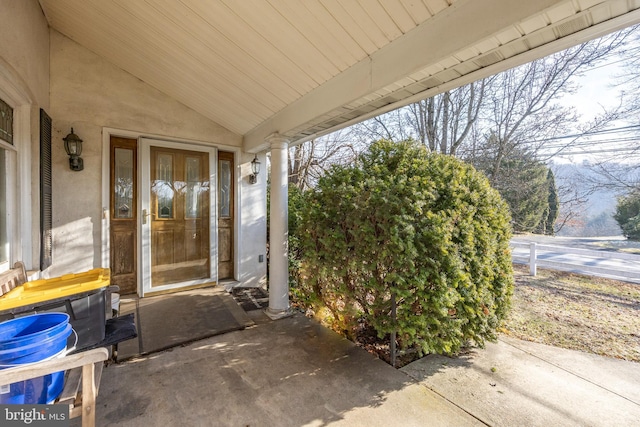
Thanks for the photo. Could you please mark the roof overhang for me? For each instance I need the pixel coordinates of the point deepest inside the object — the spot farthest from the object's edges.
(305, 69)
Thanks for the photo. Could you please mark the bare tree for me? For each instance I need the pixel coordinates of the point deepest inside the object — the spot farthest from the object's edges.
(615, 173)
(391, 126)
(617, 168)
(573, 201)
(628, 79)
(522, 109)
(308, 161)
(509, 117)
(444, 122)
(518, 108)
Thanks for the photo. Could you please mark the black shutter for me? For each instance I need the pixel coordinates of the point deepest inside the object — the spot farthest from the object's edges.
(46, 214)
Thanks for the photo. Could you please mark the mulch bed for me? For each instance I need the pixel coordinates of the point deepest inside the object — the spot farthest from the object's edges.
(560, 309)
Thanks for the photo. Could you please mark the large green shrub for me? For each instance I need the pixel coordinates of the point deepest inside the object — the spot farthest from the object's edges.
(628, 215)
(424, 228)
(296, 201)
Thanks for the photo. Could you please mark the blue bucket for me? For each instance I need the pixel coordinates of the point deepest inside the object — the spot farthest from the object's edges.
(37, 351)
(31, 329)
(33, 339)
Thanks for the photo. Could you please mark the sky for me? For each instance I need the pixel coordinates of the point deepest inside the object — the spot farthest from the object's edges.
(597, 92)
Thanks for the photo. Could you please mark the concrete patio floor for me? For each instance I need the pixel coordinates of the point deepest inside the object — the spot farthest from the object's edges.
(290, 372)
(519, 383)
(294, 372)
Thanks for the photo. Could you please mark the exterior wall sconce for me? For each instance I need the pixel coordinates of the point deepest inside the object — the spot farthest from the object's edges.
(255, 169)
(73, 147)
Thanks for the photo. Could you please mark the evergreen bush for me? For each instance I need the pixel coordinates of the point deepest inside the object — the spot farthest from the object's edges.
(628, 215)
(420, 228)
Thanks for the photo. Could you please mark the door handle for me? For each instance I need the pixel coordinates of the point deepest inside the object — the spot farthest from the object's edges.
(145, 214)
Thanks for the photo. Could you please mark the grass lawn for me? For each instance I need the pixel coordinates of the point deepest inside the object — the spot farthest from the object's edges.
(578, 312)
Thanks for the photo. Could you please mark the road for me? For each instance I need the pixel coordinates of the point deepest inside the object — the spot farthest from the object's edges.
(570, 254)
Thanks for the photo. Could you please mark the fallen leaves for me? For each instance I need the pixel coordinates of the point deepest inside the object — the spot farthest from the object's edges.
(584, 313)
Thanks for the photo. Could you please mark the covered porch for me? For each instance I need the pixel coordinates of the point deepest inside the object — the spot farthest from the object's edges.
(174, 101)
(295, 372)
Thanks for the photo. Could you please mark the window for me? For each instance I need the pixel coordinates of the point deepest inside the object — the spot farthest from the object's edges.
(225, 188)
(4, 237)
(6, 122)
(123, 183)
(165, 186)
(194, 188)
(16, 203)
(6, 135)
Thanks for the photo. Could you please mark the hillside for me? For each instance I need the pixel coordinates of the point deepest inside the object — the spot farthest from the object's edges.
(594, 215)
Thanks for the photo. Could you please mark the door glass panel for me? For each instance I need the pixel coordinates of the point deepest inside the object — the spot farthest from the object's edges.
(194, 187)
(225, 215)
(163, 186)
(180, 228)
(123, 183)
(225, 188)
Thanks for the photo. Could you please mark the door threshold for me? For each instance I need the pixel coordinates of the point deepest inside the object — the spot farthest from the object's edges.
(184, 288)
(229, 284)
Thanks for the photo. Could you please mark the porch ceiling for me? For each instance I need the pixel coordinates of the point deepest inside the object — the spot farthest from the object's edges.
(305, 68)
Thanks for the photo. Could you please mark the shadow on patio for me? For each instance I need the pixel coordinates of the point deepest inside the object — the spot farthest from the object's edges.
(290, 372)
(295, 372)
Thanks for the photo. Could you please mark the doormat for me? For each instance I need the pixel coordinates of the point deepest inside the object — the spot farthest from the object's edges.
(251, 298)
(166, 321)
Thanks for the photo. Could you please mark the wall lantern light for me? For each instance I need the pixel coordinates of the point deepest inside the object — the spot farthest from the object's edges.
(255, 169)
(73, 147)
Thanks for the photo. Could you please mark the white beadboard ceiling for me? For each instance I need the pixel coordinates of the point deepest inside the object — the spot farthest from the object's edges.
(303, 68)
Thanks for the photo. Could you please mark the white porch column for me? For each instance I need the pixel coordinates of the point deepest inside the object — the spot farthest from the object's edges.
(278, 230)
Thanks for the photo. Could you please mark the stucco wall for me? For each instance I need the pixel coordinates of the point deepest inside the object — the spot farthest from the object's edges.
(89, 93)
(253, 234)
(24, 46)
(24, 84)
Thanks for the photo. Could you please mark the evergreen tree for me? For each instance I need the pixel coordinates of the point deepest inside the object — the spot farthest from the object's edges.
(521, 180)
(628, 215)
(550, 214)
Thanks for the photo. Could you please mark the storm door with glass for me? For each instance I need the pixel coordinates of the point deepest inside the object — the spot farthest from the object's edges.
(176, 219)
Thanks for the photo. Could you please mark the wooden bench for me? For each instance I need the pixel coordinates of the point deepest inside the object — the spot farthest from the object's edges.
(13, 278)
(83, 370)
(81, 383)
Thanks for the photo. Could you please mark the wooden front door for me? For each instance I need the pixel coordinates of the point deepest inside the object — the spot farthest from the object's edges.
(179, 214)
(123, 217)
(225, 215)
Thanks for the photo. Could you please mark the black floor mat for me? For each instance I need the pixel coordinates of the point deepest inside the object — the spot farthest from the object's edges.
(251, 298)
(117, 329)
